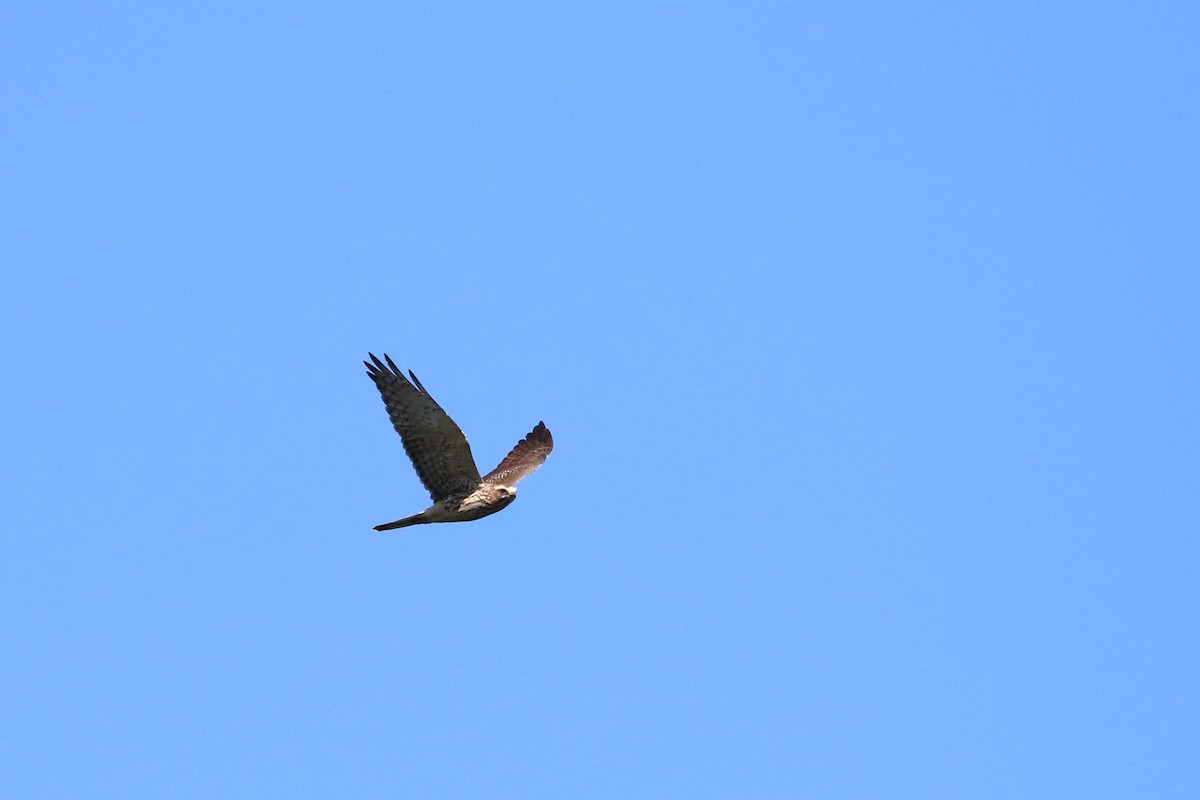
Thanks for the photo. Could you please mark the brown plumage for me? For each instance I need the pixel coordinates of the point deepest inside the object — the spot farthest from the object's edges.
(441, 455)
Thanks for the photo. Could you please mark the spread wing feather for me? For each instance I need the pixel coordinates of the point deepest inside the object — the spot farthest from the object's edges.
(436, 446)
(529, 454)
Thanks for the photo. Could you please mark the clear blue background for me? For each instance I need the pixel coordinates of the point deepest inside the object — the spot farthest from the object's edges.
(868, 334)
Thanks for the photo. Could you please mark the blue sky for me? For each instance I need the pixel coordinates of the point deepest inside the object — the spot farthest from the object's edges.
(868, 334)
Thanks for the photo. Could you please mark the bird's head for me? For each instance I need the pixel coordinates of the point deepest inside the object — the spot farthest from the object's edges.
(489, 498)
(503, 495)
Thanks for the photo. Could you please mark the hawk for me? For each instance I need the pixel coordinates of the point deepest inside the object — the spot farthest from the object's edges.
(442, 457)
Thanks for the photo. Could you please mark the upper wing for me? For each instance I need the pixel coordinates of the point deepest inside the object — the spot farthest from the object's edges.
(436, 446)
(529, 454)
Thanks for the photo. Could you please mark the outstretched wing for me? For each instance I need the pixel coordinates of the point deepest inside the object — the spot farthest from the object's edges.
(529, 454)
(436, 446)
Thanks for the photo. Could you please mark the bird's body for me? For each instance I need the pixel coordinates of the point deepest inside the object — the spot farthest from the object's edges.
(442, 456)
(458, 508)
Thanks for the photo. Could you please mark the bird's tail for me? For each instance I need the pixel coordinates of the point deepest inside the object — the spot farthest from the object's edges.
(415, 519)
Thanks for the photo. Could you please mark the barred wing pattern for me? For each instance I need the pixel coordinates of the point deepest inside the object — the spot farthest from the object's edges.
(437, 447)
(529, 454)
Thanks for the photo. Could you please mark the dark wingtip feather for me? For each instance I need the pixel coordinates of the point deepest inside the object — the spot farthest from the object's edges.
(376, 366)
(417, 382)
(377, 369)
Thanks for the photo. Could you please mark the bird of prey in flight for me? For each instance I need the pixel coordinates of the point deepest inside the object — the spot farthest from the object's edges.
(442, 457)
